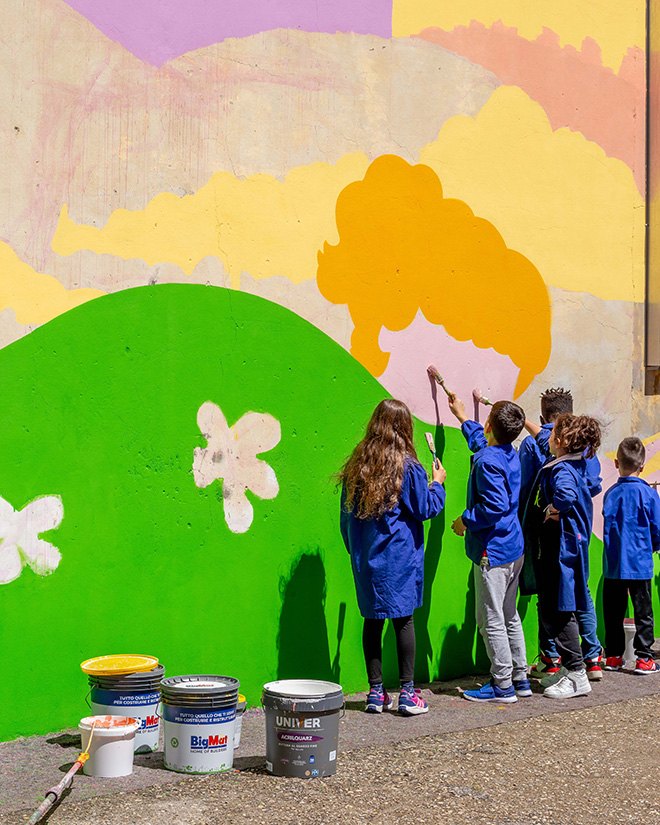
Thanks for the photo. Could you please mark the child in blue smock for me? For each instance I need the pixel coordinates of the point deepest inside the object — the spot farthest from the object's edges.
(562, 546)
(631, 535)
(494, 544)
(533, 453)
(385, 499)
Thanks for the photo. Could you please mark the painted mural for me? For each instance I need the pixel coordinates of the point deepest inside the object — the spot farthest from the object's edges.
(226, 231)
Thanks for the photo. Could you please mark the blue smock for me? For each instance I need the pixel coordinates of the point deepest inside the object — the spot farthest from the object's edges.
(593, 464)
(566, 484)
(491, 516)
(632, 529)
(387, 554)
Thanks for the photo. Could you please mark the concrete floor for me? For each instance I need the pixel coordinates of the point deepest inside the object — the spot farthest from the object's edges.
(29, 766)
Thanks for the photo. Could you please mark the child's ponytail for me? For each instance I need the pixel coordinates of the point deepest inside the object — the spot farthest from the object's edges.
(578, 434)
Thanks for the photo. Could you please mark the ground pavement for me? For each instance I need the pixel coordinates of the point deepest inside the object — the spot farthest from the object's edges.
(593, 759)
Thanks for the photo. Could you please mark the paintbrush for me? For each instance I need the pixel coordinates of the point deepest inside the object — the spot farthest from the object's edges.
(431, 443)
(433, 372)
(479, 397)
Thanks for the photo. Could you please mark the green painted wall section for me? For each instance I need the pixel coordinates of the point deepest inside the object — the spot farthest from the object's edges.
(99, 407)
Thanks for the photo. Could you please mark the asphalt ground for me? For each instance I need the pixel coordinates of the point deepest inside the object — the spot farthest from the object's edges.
(590, 759)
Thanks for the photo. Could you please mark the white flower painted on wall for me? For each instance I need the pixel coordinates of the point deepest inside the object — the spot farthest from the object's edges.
(20, 544)
(231, 456)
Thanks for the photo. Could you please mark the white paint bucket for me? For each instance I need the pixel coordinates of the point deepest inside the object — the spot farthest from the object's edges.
(629, 630)
(199, 713)
(111, 746)
(135, 694)
(302, 727)
(240, 710)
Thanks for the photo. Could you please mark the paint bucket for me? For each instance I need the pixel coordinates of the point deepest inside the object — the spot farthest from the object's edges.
(136, 694)
(629, 630)
(199, 713)
(302, 727)
(111, 746)
(240, 710)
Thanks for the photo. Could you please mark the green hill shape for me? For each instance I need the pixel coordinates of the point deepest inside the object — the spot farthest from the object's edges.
(99, 407)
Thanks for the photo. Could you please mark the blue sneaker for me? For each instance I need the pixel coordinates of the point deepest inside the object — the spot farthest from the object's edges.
(378, 701)
(491, 693)
(522, 687)
(411, 703)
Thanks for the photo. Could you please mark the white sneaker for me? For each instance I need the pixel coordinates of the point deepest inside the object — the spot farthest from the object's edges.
(553, 678)
(574, 683)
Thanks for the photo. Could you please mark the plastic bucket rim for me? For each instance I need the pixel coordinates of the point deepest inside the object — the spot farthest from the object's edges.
(290, 694)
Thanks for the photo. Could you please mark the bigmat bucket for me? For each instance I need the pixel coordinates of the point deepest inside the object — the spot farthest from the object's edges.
(198, 722)
(302, 727)
(132, 694)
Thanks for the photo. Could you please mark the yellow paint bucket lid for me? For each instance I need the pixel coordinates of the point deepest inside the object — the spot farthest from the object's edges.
(119, 664)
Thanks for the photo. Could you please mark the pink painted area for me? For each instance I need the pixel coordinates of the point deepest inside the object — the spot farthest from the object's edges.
(461, 364)
(573, 87)
(159, 30)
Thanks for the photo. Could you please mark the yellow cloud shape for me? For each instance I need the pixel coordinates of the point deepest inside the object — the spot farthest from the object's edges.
(554, 196)
(404, 247)
(614, 24)
(259, 225)
(34, 296)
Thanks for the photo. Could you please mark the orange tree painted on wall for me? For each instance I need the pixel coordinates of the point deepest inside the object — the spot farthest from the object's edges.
(404, 247)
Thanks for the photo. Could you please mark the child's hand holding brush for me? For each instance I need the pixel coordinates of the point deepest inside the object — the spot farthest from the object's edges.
(458, 408)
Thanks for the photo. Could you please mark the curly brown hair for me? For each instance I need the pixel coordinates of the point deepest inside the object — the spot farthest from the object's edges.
(373, 475)
(578, 434)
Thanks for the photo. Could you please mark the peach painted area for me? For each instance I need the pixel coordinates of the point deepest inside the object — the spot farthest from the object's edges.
(572, 85)
(462, 365)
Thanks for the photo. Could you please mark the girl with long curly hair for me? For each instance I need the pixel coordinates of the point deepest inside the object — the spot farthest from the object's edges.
(385, 499)
(565, 513)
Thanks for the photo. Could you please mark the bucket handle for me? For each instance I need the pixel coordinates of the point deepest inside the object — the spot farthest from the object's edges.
(159, 705)
(89, 704)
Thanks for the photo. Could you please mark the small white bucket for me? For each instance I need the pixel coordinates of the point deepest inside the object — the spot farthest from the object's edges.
(111, 746)
(629, 630)
(238, 722)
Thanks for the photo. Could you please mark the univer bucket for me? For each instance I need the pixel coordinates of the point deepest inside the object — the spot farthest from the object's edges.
(133, 694)
(110, 744)
(302, 727)
(199, 713)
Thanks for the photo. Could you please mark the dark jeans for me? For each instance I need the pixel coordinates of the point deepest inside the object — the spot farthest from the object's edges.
(559, 625)
(615, 603)
(372, 642)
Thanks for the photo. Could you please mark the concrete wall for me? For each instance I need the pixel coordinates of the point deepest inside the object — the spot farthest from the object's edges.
(227, 229)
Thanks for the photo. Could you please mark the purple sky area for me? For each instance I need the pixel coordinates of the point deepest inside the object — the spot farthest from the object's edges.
(158, 30)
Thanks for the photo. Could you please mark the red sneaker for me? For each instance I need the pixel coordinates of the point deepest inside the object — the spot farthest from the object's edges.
(614, 663)
(594, 669)
(645, 666)
(544, 667)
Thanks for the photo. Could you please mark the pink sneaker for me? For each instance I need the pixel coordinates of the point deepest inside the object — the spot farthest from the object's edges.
(378, 701)
(411, 703)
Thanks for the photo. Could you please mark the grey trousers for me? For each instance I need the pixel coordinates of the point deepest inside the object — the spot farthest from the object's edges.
(496, 593)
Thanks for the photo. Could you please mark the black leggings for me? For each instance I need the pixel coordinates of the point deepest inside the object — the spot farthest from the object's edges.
(372, 642)
(558, 624)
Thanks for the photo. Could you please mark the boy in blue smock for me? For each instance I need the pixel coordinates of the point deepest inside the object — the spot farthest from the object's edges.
(534, 452)
(632, 533)
(494, 544)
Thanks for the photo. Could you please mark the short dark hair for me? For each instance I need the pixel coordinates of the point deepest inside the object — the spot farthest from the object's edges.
(631, 454)
(556, 401)
(506, 421)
